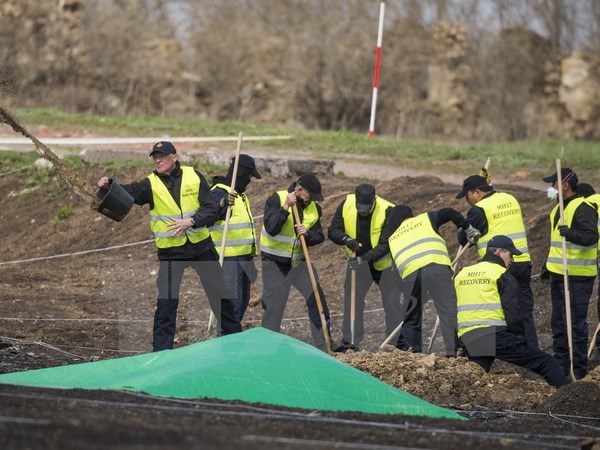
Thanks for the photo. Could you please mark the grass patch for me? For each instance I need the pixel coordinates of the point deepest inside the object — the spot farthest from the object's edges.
(62, 213)
(520, 160)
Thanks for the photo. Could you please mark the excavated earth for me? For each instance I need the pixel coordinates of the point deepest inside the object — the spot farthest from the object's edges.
(91, 305)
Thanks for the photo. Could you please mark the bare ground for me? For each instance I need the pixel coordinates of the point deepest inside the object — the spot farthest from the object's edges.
(98, 305)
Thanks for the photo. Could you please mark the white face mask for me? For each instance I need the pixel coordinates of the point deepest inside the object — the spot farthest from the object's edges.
(552, 193)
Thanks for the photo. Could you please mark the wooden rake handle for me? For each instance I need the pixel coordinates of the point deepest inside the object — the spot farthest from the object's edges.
(313, 280)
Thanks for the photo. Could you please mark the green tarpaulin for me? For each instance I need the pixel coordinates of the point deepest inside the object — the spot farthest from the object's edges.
(257, 365)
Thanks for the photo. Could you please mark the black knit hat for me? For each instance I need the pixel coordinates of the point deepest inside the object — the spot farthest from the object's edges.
(312, 184)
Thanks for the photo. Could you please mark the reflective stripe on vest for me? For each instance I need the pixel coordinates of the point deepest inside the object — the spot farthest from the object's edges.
(241, 237)
(581, 260)
(350, 216)
(415, 244)
(478, 300)
(166, 209)
(503, 214)
(286, 244)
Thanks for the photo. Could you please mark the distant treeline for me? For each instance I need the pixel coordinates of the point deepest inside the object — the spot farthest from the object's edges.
(488, 69)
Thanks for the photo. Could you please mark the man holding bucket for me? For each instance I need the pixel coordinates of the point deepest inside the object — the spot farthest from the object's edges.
(181, 209)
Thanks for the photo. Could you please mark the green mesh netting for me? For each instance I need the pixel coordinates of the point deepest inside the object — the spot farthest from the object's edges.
(257, 365)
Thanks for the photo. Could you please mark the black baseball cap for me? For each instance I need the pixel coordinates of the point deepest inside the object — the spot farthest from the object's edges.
(312, 184)
(164, 147)
(566, 174)
(504, 242)
(470, 183)
(248, 162)
(365, 197)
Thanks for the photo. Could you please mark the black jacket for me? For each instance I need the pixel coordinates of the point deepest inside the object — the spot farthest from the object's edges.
(275, 217)
(141, 191)
(508, 289)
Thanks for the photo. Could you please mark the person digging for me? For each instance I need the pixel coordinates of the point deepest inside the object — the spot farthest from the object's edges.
(489, 321)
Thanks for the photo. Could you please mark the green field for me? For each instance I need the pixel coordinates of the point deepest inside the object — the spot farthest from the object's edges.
(519, 160)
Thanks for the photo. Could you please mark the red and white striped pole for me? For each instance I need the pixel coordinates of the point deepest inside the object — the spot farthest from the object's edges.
(376, 74)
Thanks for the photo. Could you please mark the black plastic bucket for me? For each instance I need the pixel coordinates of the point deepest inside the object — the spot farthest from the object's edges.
(116, 201)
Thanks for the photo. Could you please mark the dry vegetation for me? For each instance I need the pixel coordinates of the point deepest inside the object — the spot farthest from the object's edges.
(450, 68)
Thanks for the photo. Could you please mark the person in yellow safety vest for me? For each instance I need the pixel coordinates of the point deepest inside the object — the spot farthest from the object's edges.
(580, 230)
(590, 195)
(283, 263)
(494, 213)
(421, 258)
(489, 321)
(241, 245)
(357, 225)
(181, 209)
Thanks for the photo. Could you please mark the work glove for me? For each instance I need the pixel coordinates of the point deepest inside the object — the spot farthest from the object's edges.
(473, 234)
(355, 263)
(485, 174)
(545, 275)
(564, 230)
(352, 244)
(228, 201)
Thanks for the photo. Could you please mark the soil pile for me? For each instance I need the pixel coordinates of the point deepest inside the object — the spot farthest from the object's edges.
(451, 382)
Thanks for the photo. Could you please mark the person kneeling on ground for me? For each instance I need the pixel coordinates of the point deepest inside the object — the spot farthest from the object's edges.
(488, 319)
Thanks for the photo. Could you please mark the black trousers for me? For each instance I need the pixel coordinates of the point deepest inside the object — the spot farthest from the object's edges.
(168, 282)
(388, 281)
(485, 345)
(581, 292)
(522, 272)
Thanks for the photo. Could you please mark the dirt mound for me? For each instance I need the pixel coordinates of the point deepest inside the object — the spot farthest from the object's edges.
(449, 381)
(579, 398)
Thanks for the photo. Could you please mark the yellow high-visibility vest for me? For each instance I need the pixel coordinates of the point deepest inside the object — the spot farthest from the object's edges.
(286, 244)
(241, 237)
(416, 244)
(166, 209)
(581, 260)
(350, 216)
(478, 300)
(503, 214)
